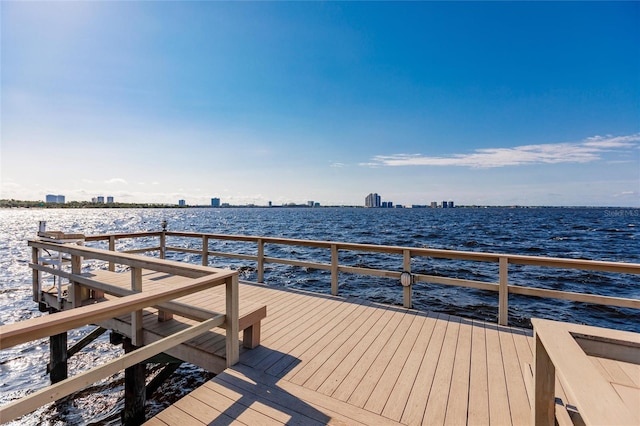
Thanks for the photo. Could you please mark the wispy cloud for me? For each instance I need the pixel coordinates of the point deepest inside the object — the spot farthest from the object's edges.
(588, 150)
(116, 180)
(337, 165)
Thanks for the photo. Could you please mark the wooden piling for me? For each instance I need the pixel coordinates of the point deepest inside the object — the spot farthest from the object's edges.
(134, 390)
(58, 357)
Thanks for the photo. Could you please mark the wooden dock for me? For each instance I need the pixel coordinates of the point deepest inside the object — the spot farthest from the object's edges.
(309, 358)
(329, 360)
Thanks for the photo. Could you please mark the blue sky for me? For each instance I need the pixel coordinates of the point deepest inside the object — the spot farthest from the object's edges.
(481, 103)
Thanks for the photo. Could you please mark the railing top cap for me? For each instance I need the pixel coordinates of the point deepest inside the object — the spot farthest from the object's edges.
(135, 260)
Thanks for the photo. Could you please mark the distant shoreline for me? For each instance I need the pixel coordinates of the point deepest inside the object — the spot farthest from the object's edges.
(25, 204)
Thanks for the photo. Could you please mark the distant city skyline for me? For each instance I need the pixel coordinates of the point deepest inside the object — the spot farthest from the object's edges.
(484, 103)
(372, 200)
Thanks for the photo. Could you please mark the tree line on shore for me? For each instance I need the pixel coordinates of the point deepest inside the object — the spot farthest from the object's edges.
(79, 205)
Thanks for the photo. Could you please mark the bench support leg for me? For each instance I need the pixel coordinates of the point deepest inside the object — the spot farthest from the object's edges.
(164, 315)
(251, 336)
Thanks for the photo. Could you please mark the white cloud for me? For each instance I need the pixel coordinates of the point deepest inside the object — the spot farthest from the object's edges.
(116, 180)
(589, 150)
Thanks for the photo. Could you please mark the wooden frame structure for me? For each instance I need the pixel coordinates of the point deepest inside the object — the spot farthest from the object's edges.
(405, 256)
(133, 302)
(562, 350)
(133, 298)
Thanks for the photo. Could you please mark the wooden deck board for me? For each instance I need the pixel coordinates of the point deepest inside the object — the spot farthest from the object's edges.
(436, 409)
(382, 390)
(418, 397)
(205, 414)
(374, 373)
(478, 409)
(519, 406)
(320, 354)
(394, 407)
(359, 370)
(614, 372)
(458, 397)
(328, 360)
(297, 319)
(633, 371)
(357, 349)
(305, 329)
(319, 339)
(338, 356)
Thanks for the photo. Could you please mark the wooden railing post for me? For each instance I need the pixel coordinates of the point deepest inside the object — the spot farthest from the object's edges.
(406, 291)
(544, 376)
(334, 269)
(163, 244)
(232, 320)
(75, 290)
(205, 250)
(136, 316)
(35, 274)
(112, 247)
(503, 292)
(260, 260)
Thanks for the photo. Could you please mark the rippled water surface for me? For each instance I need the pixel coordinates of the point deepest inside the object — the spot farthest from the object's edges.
(599, 234)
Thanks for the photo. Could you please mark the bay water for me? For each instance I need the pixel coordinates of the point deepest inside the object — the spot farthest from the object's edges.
(611, 234)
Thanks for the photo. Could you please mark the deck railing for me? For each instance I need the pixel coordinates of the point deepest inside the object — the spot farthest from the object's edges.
(405, 256)
(79, 287)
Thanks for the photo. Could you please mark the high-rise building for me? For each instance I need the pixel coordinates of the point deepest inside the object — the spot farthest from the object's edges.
(182, 203)
(434, 204)
(55, 199)
(451, 204)
(445, 205)
(310, 203)
(372, 200)
(215, 202)
(100, 199)
(109, 200)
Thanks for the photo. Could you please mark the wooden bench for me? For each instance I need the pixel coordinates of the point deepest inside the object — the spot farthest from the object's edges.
(250, 317)
(563, 352)
(250, 314)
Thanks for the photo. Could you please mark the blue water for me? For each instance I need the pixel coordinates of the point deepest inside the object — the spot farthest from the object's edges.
(581, 233)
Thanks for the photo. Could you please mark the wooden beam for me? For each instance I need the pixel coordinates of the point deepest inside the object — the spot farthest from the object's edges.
(134, 390)
(136, 316)
(36, 328)
(232, 320)
(58, 356)
(82, 343)
(260, 261)
(334, 270)
(161, 377)
(35, 274)
(73, 384)
(143, 262)
(544, 376)
(406, 291)
(503, 294)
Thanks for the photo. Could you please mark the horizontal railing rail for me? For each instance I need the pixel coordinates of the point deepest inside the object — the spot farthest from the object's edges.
(78, 284)
(196, 278)
(406, 255)
(60, 322)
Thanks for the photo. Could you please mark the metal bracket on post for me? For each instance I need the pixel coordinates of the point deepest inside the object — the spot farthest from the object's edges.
(406, 279)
